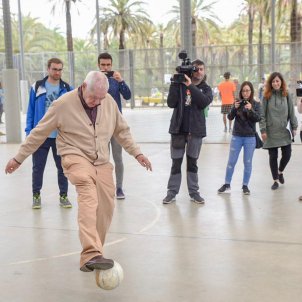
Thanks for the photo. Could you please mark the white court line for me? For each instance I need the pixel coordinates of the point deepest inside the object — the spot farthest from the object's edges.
(155, 220)
(62, 255)
(144, 229)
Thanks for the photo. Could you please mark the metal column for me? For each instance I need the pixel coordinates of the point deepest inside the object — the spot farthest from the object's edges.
(185, 26)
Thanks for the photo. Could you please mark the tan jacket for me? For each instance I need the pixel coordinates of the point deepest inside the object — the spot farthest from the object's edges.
(76, 134)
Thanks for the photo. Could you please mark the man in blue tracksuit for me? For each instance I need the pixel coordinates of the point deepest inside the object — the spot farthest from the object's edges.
(117, 87)
(42, 94)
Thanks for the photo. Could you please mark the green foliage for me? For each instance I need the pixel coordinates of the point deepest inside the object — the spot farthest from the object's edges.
(123, 19)
(36, 37)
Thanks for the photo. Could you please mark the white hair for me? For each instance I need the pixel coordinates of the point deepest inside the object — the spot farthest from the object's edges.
(96, 79)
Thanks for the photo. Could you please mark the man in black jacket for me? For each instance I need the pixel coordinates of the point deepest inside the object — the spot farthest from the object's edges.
(187, 128)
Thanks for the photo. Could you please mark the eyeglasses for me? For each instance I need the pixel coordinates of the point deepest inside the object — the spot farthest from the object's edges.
(246, 90)
(197, 69)
(57, 69)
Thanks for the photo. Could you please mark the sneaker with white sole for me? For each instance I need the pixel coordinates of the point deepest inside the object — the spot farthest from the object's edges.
(246, 190)
(36, 201)
(197, 198)
(169, 199)
(119, 193)
(64, 201)
(226, 188)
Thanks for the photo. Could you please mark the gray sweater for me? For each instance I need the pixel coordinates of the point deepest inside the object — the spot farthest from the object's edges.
(276, 113)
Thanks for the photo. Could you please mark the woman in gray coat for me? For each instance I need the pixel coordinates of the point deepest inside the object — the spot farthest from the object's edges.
(277, 112)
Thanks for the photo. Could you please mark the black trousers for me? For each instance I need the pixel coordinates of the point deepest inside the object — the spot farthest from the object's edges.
(286, 152)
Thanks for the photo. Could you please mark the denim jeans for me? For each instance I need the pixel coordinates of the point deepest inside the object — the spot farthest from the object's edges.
(39, 161)
(248, 143)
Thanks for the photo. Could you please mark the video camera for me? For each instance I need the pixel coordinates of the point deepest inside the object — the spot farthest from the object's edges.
(299, 89)
(186, 67)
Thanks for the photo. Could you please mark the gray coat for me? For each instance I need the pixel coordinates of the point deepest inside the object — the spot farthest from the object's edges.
(276, 113)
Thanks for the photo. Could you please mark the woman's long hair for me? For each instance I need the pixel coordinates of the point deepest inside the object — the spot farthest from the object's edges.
(247, 83)
(268, 90)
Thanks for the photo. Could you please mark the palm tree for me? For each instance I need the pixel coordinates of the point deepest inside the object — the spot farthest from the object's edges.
(262, 9)
(7, 34)
(67, 5)
(104, 29)
(126, 17)
(202, 18)
(259, 11)
(251, 16)
(295, 37)
(36, 37)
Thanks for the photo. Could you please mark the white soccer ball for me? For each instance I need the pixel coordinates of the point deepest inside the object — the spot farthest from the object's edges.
(110, 278)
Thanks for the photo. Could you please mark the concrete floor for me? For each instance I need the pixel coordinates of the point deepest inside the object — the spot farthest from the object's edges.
(233, 248)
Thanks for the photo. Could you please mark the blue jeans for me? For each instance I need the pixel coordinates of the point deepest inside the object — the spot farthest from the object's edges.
(39, 161)
(248, 143)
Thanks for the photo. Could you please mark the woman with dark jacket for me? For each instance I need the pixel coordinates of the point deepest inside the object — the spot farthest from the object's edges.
(246, 112)
(278, 111)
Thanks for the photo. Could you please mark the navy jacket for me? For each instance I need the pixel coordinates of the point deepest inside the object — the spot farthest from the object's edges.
(116, 89)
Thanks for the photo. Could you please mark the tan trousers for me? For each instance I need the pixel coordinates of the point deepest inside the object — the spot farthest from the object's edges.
(95, 189)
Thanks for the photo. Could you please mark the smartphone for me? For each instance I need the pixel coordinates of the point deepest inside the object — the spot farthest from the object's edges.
(109, 74)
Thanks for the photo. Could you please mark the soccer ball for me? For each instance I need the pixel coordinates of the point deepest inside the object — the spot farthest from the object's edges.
(110, 278)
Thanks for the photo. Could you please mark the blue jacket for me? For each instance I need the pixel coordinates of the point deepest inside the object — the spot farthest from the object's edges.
(36, 104)
(116, 89)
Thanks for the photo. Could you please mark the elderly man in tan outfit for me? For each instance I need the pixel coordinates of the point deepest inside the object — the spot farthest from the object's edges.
(86, 119)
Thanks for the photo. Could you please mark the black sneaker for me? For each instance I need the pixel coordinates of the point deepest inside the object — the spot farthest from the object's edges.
(169, 199)
(246, 190)
(281, 178)
(275, 186)
(197, 198)
(226, 188)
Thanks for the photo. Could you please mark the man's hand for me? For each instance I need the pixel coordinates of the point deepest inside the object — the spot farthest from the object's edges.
(188, 81)
(12, 166)
(117, 76)
(143, 160)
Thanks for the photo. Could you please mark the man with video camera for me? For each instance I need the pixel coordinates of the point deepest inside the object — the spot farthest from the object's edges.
(189, 95)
